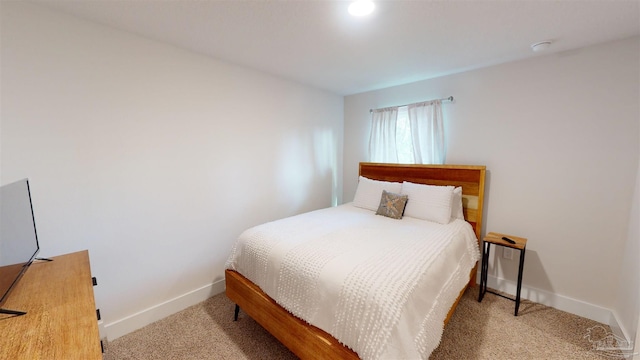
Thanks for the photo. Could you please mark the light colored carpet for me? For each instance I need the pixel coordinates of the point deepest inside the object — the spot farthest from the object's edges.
(486, 330)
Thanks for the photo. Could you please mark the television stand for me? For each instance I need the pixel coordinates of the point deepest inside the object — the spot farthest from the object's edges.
(12, 312)
(61, 320)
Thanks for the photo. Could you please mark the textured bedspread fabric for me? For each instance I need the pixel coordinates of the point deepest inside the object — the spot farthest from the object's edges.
(381, 286)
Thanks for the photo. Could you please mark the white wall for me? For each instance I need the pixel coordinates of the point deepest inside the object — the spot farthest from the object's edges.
(152, 157)
(627, 306)
(559, 135)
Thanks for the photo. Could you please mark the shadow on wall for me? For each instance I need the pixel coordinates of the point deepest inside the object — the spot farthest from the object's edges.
(533, 269)
(307, 171)
(508, 268)
(295, 173)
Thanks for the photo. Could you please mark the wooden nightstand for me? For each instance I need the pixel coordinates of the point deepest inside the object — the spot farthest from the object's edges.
(496, 239)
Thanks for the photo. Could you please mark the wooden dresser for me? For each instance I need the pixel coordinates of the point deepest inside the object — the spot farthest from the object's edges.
(61, 320)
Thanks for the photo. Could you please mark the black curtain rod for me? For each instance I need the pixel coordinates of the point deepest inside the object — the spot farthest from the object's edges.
(450, 98)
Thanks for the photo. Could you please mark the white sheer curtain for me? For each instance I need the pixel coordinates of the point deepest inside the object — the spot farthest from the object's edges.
(382, 141)
(427, 132)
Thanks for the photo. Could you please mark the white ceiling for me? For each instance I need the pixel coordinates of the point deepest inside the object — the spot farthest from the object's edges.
(316, 42)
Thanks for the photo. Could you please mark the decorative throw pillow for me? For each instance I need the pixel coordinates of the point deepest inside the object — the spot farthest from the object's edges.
(392, 205)
(368, 192)
(428, 202)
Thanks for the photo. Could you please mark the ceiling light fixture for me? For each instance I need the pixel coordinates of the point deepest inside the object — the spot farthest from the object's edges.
(541, 46)
(361, 8)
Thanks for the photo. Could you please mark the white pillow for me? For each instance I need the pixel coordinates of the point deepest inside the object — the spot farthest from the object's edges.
(369, 192)
(428, 202)
(456, 204)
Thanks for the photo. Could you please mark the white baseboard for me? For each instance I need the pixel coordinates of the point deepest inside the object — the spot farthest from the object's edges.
(560, 302)
(145, 317)
(564, 303)
(616, 326)
(619, 330)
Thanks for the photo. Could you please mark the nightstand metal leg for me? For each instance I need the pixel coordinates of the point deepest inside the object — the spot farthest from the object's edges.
(486, 248)
(520, 267)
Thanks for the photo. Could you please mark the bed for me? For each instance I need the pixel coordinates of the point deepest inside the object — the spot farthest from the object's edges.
(339, 318)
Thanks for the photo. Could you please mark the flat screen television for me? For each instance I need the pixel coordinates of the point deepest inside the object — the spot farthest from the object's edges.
(18, 237)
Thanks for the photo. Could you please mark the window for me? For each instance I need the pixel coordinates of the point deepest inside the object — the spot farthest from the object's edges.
(411, 134)
(404, 144)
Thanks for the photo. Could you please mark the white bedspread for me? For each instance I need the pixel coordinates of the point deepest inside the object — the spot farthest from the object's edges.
(381, 286)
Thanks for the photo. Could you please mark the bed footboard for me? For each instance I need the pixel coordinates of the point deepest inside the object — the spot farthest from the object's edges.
(304, 340)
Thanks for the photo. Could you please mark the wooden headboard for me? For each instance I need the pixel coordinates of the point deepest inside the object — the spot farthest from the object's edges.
(469, 177)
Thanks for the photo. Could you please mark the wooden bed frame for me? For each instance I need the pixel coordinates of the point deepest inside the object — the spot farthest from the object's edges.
(307, 341)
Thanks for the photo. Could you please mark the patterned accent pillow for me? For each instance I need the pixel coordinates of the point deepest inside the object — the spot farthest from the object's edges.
(392, 205)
